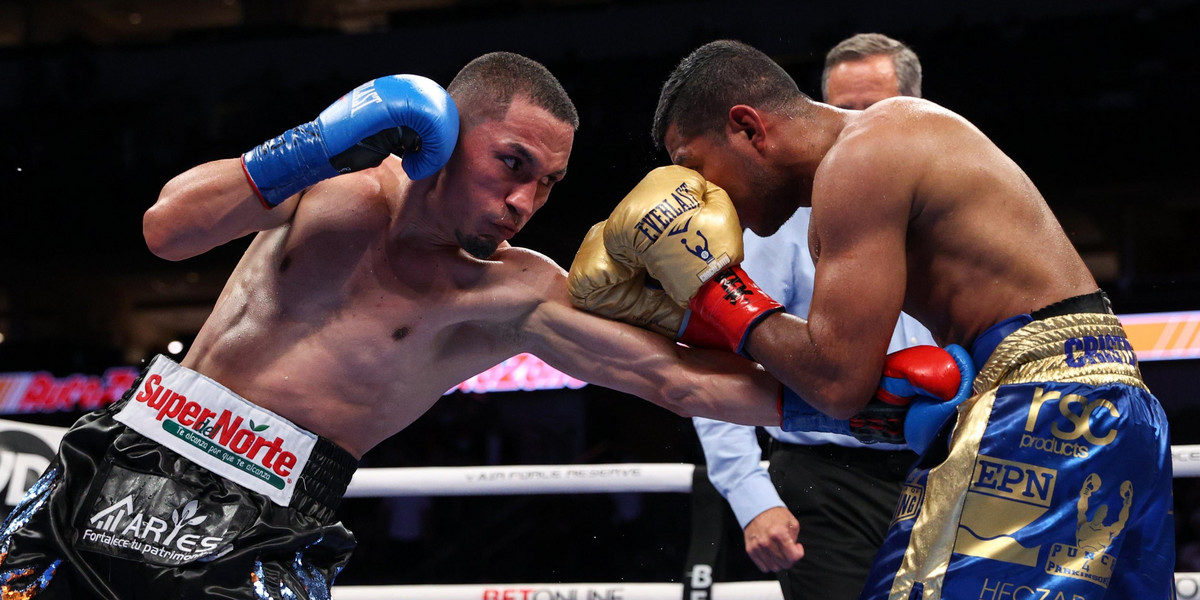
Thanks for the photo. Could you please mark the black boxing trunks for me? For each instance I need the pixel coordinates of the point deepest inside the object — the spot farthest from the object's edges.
(1055, 481)
(181, 489)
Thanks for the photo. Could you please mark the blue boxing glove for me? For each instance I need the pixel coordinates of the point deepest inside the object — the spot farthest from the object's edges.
(920, 388)
(406, 115)
(935, 388)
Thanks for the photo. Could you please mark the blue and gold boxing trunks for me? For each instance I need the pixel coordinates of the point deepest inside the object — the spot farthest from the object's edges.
(1056, 480)
(181, 489)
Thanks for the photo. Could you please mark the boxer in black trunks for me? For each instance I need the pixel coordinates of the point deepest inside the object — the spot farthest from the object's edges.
(374, 284)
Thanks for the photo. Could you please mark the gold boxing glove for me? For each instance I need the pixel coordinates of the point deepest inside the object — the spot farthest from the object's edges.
(685, 233)
(599, 284)
(679, 227)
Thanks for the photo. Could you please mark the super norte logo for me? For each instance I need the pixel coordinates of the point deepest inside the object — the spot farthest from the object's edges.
(229, 437)
(1081, 423)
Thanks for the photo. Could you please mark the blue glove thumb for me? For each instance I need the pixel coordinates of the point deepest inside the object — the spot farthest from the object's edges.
(928, 414)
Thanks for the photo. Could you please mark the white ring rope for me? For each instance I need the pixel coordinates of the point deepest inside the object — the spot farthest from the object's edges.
(1187, 587)
(1185, 461)
(521, 480)
(575, 479)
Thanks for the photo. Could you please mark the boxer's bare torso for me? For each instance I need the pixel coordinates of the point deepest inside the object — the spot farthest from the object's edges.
(979, 243)
(913, 209)
(355, 331)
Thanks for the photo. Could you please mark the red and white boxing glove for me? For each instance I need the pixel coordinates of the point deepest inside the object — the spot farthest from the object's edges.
(919, 389)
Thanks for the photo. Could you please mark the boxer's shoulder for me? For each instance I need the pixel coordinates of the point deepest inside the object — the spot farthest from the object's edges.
(912, 119)
(891, 146)
(353, 205)
(517, 282)
(517, 266)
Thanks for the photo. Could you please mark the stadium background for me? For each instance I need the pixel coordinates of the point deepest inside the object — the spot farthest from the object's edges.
(102, 101)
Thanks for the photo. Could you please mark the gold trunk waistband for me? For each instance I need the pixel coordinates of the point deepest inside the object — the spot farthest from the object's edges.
(1046, 349)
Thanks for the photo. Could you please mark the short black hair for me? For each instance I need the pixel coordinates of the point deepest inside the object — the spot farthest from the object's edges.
(715, 77)
(486, 86)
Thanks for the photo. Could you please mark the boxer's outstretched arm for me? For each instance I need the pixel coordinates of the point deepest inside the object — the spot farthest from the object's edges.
(686, 381)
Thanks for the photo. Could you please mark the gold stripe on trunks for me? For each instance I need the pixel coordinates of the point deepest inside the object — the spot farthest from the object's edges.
(936, 526)
(1036, 352)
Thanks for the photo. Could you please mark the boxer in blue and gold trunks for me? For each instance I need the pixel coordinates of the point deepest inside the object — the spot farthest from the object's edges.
(1057, 485)
(1045, 491)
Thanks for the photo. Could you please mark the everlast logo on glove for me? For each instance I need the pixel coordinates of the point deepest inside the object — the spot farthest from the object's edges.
(218, 430)
(363, 95)
(657, 219)
(681, 231)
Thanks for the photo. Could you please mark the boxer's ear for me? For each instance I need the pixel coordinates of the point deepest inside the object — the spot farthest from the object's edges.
(746, 124)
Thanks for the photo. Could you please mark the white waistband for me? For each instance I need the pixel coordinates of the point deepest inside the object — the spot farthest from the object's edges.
(208, 424)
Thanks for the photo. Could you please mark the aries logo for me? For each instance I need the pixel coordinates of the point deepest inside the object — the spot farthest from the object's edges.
(110, 519)
(148, 518)
(1004, 497)
(126, 528)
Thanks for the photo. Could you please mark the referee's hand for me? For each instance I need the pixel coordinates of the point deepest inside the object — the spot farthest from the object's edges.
(771, 540)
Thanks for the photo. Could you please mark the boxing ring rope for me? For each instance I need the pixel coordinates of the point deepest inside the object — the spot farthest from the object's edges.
(575, 479)
(522, 480)
(594, 479)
